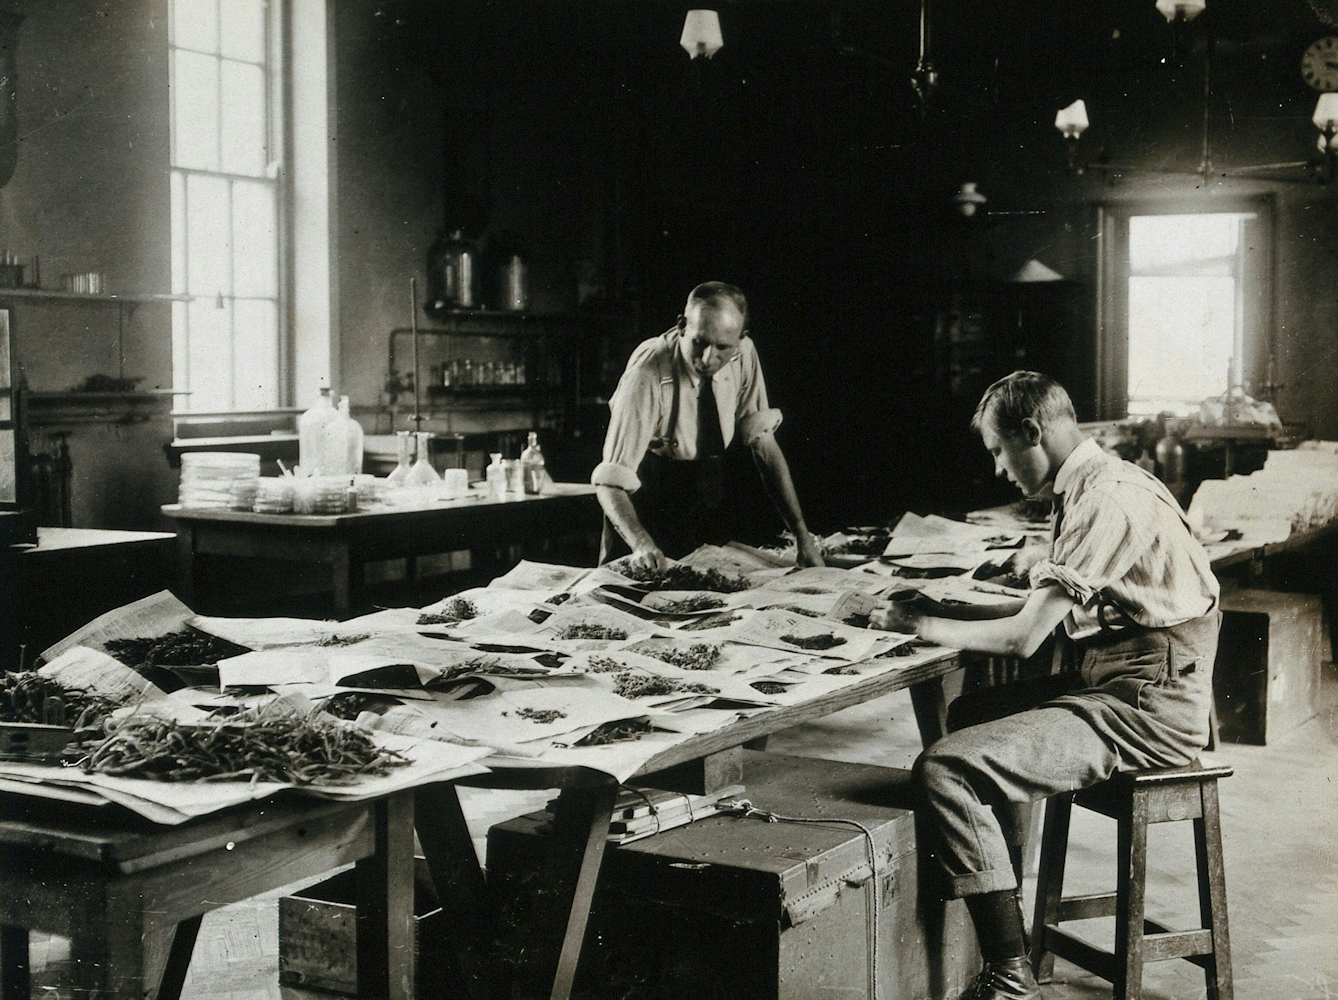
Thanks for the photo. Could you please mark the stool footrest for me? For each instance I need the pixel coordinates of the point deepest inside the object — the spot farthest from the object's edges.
(1165, 945)
(1087, 907)
(1080, 953)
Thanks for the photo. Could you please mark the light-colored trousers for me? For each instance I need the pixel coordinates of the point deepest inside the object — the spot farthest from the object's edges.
(1143, 702)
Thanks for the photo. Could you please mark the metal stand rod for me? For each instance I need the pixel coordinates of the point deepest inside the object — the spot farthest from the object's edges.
(413, 329)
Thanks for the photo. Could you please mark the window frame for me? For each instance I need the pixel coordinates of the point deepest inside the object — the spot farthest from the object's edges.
(278, 176)
(1255, 293)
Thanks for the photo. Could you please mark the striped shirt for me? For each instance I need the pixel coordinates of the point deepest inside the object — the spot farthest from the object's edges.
(1123, 551)
(640, 408)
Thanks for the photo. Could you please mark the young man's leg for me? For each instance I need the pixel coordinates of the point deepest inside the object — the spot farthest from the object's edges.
(965, 776)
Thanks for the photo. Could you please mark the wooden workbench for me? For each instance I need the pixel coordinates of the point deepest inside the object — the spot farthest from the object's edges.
(345, 543)
(130, 896)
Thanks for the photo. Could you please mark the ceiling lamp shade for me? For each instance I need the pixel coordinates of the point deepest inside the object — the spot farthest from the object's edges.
(1326, 113)
(968, 199)
(1072, 121)
(701, 34)
(1189, 9)
(1034, 271)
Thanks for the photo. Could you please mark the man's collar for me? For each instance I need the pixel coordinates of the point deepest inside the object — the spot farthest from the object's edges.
(1086, 450)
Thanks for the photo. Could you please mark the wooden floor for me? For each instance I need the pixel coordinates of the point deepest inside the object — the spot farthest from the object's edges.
(1280, 827)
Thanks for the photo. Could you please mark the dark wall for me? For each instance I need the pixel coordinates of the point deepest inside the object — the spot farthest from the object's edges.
(799, 164)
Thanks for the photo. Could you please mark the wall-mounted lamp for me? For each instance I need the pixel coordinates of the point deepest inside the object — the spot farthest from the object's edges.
(1326, 120)
(701, 34)
(968, 199)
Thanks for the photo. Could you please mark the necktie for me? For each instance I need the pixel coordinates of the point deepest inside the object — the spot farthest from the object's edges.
(710, 440)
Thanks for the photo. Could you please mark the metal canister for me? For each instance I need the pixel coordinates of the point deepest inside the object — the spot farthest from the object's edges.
(515, 285)
(466, 290)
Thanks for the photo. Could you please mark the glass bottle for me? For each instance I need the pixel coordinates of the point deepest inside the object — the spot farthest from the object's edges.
(353, 441)
(422, 473)
(311, 433)
(404, 446)
(532, 465)
(496, 477)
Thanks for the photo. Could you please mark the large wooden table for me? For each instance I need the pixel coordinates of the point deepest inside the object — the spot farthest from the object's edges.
(130, 896)
(581, 823)
(345, 543)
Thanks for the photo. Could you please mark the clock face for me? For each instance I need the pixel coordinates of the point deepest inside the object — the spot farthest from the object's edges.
(1319, 65)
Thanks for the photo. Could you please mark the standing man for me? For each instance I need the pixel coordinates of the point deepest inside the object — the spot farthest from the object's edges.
(684, 396)
(1139, 606)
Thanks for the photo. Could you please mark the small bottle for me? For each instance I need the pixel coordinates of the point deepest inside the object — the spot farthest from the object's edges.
(422, 473)
(467, 373)
(496, 477)
(400, 473)
(515, 482)
(532, 465)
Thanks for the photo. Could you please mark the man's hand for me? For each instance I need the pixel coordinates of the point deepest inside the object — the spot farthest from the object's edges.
(901, 616)
(650, 558)
(807, 551)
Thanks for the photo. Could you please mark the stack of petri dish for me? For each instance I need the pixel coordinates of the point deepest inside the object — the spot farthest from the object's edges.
(274, 495)
(218, 479)
(320, 494)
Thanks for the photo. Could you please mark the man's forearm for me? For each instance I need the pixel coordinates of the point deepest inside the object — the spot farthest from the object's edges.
(775, 473)
(618, 508)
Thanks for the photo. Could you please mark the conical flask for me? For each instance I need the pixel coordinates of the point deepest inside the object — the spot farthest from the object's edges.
(422, 473)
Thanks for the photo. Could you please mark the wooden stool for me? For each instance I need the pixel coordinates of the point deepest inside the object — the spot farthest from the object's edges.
(1135, 800)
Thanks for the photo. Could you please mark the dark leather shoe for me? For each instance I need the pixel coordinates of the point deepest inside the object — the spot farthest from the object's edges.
(1007, 980)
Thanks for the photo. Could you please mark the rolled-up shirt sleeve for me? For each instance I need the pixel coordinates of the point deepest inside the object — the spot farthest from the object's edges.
(1100, 542)
(754, 416)
(633, 416)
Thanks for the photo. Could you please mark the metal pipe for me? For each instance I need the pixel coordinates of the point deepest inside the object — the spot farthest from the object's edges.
(413, 330)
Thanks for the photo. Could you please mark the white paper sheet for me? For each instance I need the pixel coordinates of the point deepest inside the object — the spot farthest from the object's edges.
(155, 615)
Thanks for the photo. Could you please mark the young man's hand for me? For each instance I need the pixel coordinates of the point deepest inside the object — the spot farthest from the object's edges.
(901, 616)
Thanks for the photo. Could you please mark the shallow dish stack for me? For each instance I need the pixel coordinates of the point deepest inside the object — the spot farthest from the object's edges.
(320, 494)
(274, 495)
(218, 479)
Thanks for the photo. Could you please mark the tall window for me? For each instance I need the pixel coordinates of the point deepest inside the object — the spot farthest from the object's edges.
(1185, 315)
(227, 346)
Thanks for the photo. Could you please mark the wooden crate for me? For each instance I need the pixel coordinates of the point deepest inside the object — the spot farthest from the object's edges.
(1269, 656)
(318, 948)
(741, 909)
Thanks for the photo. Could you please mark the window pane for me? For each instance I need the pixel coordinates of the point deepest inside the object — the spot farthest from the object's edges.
(180, 354)
(195, 24)
(256, 340)
(1181, 332)
(178, 233)
(255, 240)
(8, 484)
(210, 355)
(195, 111)
(1160, 241)
(209, 248)
(243, 30)
(244, 120)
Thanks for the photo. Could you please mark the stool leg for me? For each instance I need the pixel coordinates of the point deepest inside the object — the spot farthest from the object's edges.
(1129, 903)
(1212, 893)
(1050, 881)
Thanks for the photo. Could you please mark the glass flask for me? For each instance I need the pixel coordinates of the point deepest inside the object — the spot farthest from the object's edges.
(400, 473)
(422, 473)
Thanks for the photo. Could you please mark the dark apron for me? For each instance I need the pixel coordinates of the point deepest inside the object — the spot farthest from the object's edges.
(681, 504)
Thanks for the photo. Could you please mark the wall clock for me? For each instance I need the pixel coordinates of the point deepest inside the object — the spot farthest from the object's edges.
(1319, 65)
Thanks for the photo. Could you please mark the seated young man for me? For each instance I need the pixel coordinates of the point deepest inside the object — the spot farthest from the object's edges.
(1139, 606)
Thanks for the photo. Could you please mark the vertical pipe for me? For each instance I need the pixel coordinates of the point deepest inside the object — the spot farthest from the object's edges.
(413, 331)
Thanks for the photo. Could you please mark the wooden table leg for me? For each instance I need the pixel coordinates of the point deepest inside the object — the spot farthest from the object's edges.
(15, 981)
(108, 956)
(347, 570)
(596, 807)
(461, 890)
(385, 930)
(186, 567)
(178, 959)
(931, 710)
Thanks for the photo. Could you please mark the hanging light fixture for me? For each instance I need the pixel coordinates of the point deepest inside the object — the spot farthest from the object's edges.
(968, 199)
(1072, 123)
(701, 34)
(1185, 9)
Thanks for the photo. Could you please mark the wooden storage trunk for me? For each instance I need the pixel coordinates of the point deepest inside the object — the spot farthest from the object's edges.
(1269, 656)
(318, 935)
(734, 907)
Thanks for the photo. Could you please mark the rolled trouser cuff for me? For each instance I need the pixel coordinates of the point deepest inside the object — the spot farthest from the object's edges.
(973, 883)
